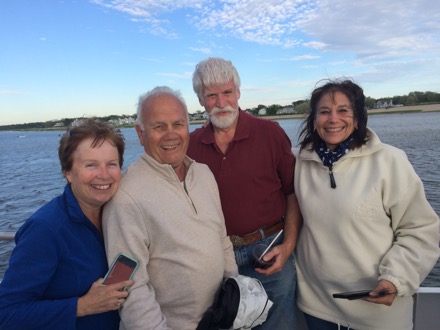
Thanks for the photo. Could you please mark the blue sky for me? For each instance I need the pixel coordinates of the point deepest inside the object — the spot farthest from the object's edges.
(65, 59)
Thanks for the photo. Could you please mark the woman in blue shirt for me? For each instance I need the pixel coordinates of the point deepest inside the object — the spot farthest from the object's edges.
(55, 271)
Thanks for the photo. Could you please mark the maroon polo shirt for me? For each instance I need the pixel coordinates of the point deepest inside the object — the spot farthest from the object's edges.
(254, 175)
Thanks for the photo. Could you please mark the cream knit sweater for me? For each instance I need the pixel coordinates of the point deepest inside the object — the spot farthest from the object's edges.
(376, 224)
(176, 231)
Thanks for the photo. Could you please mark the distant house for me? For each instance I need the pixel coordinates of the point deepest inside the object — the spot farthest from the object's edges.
(122, 121)
(384, 104)
(262, 112)
(77, 122)
(58, 125)
(199, 115)
(287, 110)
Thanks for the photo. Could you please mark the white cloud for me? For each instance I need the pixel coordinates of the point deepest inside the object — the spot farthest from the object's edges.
(260, 21)
(11, 92)
(315, 45)
(191, 64)
(375, 28)
(302, 58)
(148, 8)
(150, 59)
(201, 50)
(151, 12)
(372, 30)
(335, 63)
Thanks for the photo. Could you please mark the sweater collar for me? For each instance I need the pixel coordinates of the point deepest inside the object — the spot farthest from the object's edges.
(373, 145)
(166, 170)
(329, 157)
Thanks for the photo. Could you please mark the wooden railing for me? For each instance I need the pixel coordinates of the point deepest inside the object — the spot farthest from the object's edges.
(7, 235)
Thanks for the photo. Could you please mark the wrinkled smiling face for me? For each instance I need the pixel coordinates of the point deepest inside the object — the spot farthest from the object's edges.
(221, 104)
(95, 174)
(165, 135)
(335, 119)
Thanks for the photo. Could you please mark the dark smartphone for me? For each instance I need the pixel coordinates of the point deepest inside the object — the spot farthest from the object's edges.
(352, 295)
(122, 269)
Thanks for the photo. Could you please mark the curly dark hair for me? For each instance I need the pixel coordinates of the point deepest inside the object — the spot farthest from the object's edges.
(355, 95)
(89, 128)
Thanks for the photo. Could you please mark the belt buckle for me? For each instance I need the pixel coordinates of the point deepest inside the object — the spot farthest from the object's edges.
(237, 241)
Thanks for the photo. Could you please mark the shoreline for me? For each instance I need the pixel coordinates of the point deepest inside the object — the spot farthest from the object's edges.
(404, 109)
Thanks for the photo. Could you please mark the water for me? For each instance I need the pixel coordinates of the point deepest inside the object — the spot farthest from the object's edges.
(30, 173)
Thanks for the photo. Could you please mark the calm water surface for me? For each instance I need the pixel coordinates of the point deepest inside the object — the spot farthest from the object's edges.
(30, 173)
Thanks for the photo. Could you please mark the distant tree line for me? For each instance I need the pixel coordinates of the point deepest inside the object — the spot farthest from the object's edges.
(300, 106)
(303, 106)
(54, 124)
(414, 98)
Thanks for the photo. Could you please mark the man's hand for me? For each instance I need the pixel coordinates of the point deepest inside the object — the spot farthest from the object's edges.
(281, 253)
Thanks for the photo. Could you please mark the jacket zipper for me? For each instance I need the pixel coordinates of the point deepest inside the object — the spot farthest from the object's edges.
(189, 197)
(332, 178)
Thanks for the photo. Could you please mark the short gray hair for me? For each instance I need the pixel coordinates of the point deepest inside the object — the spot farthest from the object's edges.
(155, 92)
(214, 71)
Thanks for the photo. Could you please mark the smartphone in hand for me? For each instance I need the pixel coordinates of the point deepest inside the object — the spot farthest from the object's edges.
(353, 295)
(122, 269)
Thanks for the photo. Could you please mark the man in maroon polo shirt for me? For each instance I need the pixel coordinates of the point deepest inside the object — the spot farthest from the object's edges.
(253, 164)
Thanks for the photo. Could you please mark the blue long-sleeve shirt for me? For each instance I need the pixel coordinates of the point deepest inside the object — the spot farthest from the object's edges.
(59, 253)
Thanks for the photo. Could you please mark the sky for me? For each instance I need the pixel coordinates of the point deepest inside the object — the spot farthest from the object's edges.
(75, 58)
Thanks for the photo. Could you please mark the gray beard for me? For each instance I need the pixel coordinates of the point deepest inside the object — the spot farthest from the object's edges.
(224, 122)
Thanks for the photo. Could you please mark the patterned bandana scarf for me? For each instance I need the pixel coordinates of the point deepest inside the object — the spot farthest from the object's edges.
(329, 157)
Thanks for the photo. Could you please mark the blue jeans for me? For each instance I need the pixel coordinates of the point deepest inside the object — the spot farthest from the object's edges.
(280, 288)
(317, 324)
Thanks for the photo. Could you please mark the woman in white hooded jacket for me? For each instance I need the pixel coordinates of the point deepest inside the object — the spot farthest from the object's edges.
(367, 223)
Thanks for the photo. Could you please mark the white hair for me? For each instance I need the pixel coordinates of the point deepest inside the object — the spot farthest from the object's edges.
(155, 92)
(214, 71)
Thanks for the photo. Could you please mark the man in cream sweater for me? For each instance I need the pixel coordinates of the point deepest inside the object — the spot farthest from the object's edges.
(167, 215)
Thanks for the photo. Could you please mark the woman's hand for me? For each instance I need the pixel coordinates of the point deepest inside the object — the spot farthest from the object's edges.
(377, 295)
(102, 298)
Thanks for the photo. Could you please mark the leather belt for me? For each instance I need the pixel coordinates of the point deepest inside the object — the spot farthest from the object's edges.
(240, 241)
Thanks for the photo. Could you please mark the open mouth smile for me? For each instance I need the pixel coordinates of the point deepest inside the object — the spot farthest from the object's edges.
(101, 186)
(334, 130)
(170, 147)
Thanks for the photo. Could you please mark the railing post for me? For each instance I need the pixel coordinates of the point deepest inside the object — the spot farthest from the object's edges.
(7, 235)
